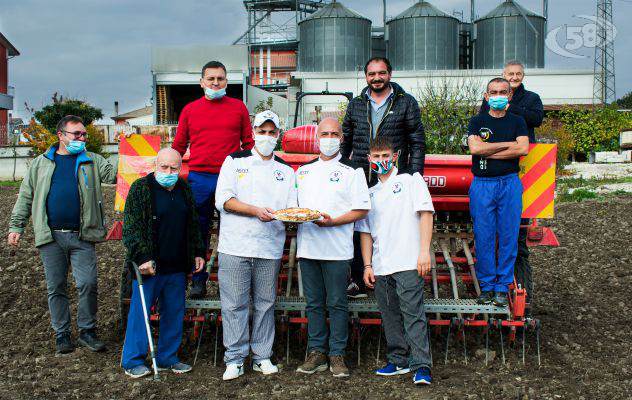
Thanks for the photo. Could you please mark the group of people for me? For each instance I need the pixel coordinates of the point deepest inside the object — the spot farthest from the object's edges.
(375, 230)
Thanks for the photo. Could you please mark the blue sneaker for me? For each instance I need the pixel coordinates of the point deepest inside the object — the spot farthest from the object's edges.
(138, 371)
(422, 376)
(392, 369)
(178, 368)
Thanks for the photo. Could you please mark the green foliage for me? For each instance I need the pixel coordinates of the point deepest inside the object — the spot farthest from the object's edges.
(50, 115)
(596, 130)
(446, 109)
(553, 131)
(342, 111)
(625, 101)
(264, 105)
(44, 134)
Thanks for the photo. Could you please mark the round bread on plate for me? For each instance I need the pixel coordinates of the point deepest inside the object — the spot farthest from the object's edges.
(296, 214)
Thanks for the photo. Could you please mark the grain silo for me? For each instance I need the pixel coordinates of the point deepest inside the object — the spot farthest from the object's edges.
(334, 39)
(423, 38)
(509, 32)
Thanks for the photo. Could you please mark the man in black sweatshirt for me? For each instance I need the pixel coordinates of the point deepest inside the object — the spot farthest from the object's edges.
(529, 106)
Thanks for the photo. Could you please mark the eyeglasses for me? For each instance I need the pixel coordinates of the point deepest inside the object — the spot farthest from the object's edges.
(498, 92)
(78, 134)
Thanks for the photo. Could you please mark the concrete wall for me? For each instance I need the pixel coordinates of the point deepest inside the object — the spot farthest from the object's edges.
(279, 104)
(17, 159)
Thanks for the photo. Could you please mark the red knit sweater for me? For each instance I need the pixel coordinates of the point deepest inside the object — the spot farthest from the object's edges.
(213, 129)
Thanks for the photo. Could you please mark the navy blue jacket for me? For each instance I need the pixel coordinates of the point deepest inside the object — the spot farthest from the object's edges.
(526, 104)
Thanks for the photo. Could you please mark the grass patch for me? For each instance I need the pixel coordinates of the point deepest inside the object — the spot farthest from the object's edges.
(577, 196)
(581, 182)
(10, 183)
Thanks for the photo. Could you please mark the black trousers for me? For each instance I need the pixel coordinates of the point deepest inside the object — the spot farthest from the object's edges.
(522, 268)
(357, 265)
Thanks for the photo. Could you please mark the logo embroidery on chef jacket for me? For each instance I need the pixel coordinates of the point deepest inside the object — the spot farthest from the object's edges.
(335, 176)
(279, 175)
(397, 187)
(301, 174)
(242, 172)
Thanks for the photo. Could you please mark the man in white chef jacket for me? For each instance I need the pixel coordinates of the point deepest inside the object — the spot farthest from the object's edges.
(337, 188)
(252, 184)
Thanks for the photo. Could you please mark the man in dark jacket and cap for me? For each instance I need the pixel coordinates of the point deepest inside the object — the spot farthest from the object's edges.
(528, 105)
(382, 109)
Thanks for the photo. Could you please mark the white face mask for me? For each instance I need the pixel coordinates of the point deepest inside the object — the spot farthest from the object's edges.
(329, 146)
(265, 144)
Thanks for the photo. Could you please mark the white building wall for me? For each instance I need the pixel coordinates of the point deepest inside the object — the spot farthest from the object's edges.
(555, 87)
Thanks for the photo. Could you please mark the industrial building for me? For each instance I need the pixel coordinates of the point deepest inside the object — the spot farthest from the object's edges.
(7, 51)
(323, 45)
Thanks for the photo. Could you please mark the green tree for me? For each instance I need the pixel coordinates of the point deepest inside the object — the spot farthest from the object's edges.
(625, 101)
(50, 115)
(595, 130)
(446, 109)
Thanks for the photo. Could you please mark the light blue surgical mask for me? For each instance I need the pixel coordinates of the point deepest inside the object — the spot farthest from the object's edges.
(498, 102)
(166, 180)
(76, 146)
(214, 94)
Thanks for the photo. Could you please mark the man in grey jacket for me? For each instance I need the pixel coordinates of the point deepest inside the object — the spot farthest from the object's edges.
(62, 191)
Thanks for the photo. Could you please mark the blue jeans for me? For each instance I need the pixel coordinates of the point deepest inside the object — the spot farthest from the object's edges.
(169, 291)
(325, 285)
(496, 207)
(203, 186)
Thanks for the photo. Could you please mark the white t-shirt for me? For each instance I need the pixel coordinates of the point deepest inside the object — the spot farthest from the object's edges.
(394, 221)
(334, 187)
(261, 183)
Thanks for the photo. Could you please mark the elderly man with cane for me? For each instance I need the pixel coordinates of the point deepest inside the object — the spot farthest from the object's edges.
(162, 237)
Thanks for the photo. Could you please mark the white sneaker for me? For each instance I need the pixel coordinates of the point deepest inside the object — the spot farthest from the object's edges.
(233, 371)
(265, 366)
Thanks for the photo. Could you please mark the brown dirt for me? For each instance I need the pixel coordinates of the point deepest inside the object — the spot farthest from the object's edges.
(583, 290)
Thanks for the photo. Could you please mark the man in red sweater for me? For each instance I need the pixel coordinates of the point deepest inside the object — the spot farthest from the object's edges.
(214, 126)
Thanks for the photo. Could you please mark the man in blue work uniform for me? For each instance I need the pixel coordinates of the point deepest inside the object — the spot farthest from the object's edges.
(528, 105)
(496, 140)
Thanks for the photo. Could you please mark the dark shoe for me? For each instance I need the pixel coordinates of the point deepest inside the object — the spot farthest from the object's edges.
(486, 298)
(338, 367)
(63, 344)
(354, 292)
(316, 362)
(90, 340)
(501, 299)
(198, 289)
(422, 376)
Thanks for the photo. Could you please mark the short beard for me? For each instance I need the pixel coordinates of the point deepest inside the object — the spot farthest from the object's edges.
(383, 88)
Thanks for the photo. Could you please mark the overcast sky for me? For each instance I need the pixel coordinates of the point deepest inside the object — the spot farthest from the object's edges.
(99, 51)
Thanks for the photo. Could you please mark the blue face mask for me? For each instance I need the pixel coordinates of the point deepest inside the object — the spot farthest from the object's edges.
(498, 102)
(166, 180)
(214, 94)
(76, 146)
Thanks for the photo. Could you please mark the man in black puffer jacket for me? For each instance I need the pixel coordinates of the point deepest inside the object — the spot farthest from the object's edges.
(382, 109)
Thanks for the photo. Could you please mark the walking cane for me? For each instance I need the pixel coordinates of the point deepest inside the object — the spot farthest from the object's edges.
(142, 299)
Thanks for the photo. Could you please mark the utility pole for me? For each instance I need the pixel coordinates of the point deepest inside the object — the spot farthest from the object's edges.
(604, 83)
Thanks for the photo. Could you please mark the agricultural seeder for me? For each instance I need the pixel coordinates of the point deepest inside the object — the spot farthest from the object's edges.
(452, 286)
